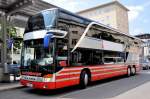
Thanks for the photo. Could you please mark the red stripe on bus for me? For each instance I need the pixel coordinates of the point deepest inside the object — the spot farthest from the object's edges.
(90, 67)
(67, 76)
(69, 71)
(92, 73)
(67, 83)
(106, 71)
(104, 76)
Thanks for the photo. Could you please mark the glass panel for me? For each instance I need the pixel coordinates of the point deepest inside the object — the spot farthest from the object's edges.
(44, 20)
(35, 23)
(49, 18)
(37, 58)
(62, 49)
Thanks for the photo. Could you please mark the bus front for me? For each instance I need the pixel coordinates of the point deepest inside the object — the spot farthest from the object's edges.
(38, 64)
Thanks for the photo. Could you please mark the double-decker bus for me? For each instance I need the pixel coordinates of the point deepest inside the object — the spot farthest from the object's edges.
(62, 49)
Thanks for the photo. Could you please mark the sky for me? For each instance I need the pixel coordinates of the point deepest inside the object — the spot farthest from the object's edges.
(139, 14)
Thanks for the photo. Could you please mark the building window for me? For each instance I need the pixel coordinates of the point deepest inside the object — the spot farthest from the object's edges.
(91, 14)
(106, 10)
(100, 11)
(75, 32)
(74, 41)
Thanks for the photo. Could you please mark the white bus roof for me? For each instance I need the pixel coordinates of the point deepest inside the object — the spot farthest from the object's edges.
(103, 25)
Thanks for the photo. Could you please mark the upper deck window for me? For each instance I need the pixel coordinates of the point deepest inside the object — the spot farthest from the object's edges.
(43, 20)
(35, 23)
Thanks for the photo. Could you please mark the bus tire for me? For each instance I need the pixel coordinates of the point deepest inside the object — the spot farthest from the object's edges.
(133, 70)
(128, 72)
(84, 79)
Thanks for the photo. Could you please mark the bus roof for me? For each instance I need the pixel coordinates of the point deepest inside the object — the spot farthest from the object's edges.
(89, 20)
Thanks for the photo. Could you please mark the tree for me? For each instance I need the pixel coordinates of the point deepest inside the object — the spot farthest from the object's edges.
(12, 34)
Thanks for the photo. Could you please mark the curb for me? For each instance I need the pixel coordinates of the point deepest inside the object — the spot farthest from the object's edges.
(10, 88)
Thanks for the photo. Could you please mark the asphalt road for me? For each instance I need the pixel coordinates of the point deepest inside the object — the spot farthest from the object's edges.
(110, 88)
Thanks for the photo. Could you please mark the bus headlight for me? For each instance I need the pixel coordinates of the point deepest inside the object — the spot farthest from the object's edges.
(47, 78)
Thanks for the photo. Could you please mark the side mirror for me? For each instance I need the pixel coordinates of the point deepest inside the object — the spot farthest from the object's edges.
(47, 39)
(63, 63)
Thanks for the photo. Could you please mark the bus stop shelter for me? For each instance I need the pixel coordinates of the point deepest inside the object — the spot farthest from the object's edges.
(17, 12)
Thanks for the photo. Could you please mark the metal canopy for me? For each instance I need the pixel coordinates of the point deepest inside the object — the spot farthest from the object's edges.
(20, 10)
(24, 7)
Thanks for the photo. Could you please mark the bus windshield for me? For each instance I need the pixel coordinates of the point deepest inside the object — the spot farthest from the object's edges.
(35, 57)
(43, 20)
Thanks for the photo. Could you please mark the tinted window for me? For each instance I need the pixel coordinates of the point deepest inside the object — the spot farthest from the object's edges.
(43, 20)
(35, 23)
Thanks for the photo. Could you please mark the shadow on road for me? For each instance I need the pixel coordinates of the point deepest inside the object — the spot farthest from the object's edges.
(107, 88)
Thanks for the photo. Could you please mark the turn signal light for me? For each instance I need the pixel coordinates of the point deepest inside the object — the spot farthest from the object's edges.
(48, 76)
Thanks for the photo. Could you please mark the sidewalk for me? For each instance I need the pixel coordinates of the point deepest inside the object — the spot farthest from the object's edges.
(140, 92)
(12, 85)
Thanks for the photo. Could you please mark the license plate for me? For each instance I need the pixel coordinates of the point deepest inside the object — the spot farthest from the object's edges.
(29, 85)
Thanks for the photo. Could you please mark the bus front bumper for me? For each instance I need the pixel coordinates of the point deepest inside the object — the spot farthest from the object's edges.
(38, 85)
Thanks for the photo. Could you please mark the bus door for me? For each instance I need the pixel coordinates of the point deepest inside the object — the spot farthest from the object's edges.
(62, 69)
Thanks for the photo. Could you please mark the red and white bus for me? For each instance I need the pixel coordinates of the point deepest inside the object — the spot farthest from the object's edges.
(62, 49)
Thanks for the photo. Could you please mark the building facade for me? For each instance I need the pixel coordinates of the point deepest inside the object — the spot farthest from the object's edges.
(112, 14)
(146, 45)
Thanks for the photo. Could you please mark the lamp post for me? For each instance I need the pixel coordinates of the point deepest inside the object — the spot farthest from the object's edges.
(1, 43)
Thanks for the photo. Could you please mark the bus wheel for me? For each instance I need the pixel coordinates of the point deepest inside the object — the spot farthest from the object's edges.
(84, 79)
(129, 72)
(133, 70)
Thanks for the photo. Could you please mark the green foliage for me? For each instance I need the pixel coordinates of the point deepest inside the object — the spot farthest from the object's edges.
(12, 33)
(17, 44)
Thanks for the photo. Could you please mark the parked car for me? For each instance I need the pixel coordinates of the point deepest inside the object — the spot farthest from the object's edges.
(14, 69)
(145, 65)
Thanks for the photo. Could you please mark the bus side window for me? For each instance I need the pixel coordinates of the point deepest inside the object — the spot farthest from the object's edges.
(76, 58)
(109, 60)
(87, 57)
(97, 58)
(120, 60)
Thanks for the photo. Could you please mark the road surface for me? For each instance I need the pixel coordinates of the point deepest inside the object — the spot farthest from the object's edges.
(117, 88)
